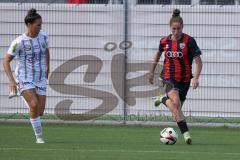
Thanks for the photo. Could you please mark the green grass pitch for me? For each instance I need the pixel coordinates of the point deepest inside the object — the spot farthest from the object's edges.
(97, 142)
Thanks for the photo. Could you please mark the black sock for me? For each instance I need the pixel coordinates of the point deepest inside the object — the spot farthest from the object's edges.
(183, 126)
(164, 99)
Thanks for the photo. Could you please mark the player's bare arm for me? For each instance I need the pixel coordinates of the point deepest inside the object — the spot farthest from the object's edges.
(6, 65)
(198, 69)
(155, 60)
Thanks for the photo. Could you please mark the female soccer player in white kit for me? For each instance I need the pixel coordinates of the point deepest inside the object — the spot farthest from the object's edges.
(32, 53)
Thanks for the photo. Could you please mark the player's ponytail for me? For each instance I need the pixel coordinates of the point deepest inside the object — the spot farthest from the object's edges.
(176, 17)
(31, 16)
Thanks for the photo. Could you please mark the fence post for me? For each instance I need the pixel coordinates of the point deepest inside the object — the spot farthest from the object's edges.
(125, 3)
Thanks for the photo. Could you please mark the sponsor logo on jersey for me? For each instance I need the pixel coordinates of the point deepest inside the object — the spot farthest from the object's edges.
(27, 47)
(171, 54)
(182, 45)
(41, 88)
(167, 46)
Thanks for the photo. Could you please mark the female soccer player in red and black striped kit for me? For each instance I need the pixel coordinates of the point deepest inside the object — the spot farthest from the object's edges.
(180, 50)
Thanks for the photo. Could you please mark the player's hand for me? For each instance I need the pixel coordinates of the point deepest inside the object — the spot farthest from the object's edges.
(195, 83)
(13, 86)
(151, 77)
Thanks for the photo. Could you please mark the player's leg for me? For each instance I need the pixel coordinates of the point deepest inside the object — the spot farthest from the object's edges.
(175, 105)
(31, 99)
(182, 94)
(41, 88)
(174, 97)
(162, 97)
(42, 102)
(172, 101)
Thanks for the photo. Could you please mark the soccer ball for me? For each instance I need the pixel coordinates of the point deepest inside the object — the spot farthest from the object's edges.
(168, 136)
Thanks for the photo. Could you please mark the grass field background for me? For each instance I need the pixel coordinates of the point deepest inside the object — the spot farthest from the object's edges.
(99, 142)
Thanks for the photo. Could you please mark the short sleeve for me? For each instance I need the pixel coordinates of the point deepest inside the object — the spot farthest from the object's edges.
(46, 40)
(160, 48)
(193, 48)
(14, 48)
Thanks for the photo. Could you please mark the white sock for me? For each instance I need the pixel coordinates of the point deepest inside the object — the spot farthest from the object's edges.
(37, 127)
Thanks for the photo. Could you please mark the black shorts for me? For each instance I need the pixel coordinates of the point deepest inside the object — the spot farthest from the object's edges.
(182, 88)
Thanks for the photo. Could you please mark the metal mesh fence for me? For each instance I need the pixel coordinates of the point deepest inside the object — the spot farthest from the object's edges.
(101, 52)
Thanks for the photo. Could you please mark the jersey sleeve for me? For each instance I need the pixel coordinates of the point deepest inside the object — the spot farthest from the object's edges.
(46, 40)
(14, 48)
(160, 48)
(193, 48)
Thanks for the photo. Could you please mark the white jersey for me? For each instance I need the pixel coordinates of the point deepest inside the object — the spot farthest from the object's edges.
(30, 53)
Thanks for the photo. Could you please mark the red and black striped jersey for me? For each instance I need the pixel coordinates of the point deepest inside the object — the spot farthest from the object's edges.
(179, 56)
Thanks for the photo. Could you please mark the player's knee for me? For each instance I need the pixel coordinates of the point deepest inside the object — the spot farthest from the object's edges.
(176, 109)
(176, 103)
(33, 104)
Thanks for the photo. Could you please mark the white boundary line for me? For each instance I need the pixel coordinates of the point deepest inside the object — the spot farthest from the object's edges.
(121, 151)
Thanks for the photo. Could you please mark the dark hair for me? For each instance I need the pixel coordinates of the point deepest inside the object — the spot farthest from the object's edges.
(176, 17)
(31, 16)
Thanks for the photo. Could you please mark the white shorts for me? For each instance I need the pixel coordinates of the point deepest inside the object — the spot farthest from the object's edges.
(40, 87)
